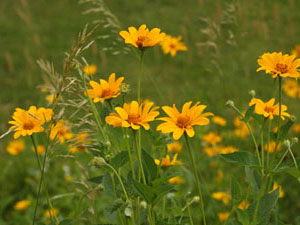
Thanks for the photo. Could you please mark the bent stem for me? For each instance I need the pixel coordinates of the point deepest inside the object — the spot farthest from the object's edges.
(196, 177)
(42, 171)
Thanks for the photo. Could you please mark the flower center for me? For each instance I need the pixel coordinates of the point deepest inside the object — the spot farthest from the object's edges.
(140, 40)
(282, 68)
(28, 126)
(269, 109)
(182, 121)
(106, 93)
(134, 118)
(172, 46)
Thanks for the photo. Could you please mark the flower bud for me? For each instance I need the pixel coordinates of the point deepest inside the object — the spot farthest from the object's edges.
(287, 143)
(230, 103)
(98, 161)
(196, 198)
(294, 140)
(252, 93)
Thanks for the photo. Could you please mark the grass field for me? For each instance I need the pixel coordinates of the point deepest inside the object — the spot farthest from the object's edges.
(224, 40)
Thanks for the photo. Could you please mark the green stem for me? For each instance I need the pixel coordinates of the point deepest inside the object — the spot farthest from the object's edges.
(139, 154)
(115, 195)
(164, 207)
(190, 215)
(268, 145)
(140, 76)
(261, 192)
(196, 177)
(262, 145)
(129, 152)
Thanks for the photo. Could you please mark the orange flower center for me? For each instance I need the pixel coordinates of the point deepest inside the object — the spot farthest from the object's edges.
(106, 93)
(282, 68)
(182, 121)
(134, 118)
(28, 125)
(172, 46)
(269, 109)
(140, 40)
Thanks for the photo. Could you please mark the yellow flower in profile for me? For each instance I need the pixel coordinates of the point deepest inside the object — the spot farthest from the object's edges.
(243, 205)
(80, 143)
(61, 131)
(219, 121)
(15, 147)
(210, 151)
(225, 150)
(291, 88)
(296, 51)
(105, 89)
(212, 138)
(222, 196)
(166, 162)
(51, 213)
(40, 149)
(176, 180)
(281, 192)
(21, 205)
(175, 147)
(178, 123)
(25, 123)
(268, 109)
(241, 129)
(171, 45)
(90, 69)
(133, 115)
(223, 216)
(142, 38)
(296, 128)
(279, 65)
(272, 145)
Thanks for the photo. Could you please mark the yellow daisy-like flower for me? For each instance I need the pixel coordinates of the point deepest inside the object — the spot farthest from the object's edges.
(210, 151)
(175, 147)
(296, 51)
(25, 123)
(243, 205)
(225, 150)
(178, 123)
(279, 65)
(61, 131)
(105, 89)
(291, 88)
(176, 180)
(142, 38)
(296, 128)
(212, 138)
(133, 115)
(171, 45)
(21, 205)
(241, 129)
(43, 114)
(51, 213)
(80, 142)
(268, 109)
(222, 196)
(40, 149)
(219, 121)
(166, 162)
(281, 192)
(223, 216)
(272, 145)
(15, 147)
(90, 69)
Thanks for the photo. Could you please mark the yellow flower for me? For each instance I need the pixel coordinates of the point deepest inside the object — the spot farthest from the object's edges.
(223, 216)
(272, 145)
(210, 151)
(40, 149)
(68, 178)
(281, 192)
(296, 128)
(15, 147)
(176, 180)
(296, 51)
(219, 121)
(142, 38)
(90, 69)
(220, 176)
(105, 90)
(61, 131)
(172, 45)
(133, 115)
(243, 205)
(50, 98)
(80, 143)
(178, 123)
(241, 130)
(268, 109)
(166, 162)
(279, 65)
(291, 88)
(25, 123)
(21, 205)
(43, 114)
(51, 213)
(222, 196)
(175, 147)
(212, 138)
(225, 150)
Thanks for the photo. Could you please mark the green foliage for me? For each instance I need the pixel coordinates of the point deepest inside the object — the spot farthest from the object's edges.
(149, 166)
(120, 159)
(243, 158)
(236, 192)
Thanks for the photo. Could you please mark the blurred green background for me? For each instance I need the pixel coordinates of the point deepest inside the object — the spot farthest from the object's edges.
(224, 40)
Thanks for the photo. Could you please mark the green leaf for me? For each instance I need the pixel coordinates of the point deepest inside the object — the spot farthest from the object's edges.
(161, 190)
(67, 222)
(149, 166)
(236, 193)
(144, 191)
(289, 170)
(107, 184)
(248, 114)
(283, 131)
(253, 178)
(120, 159)
(243, 158)
(243, 216)
(96, 180)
